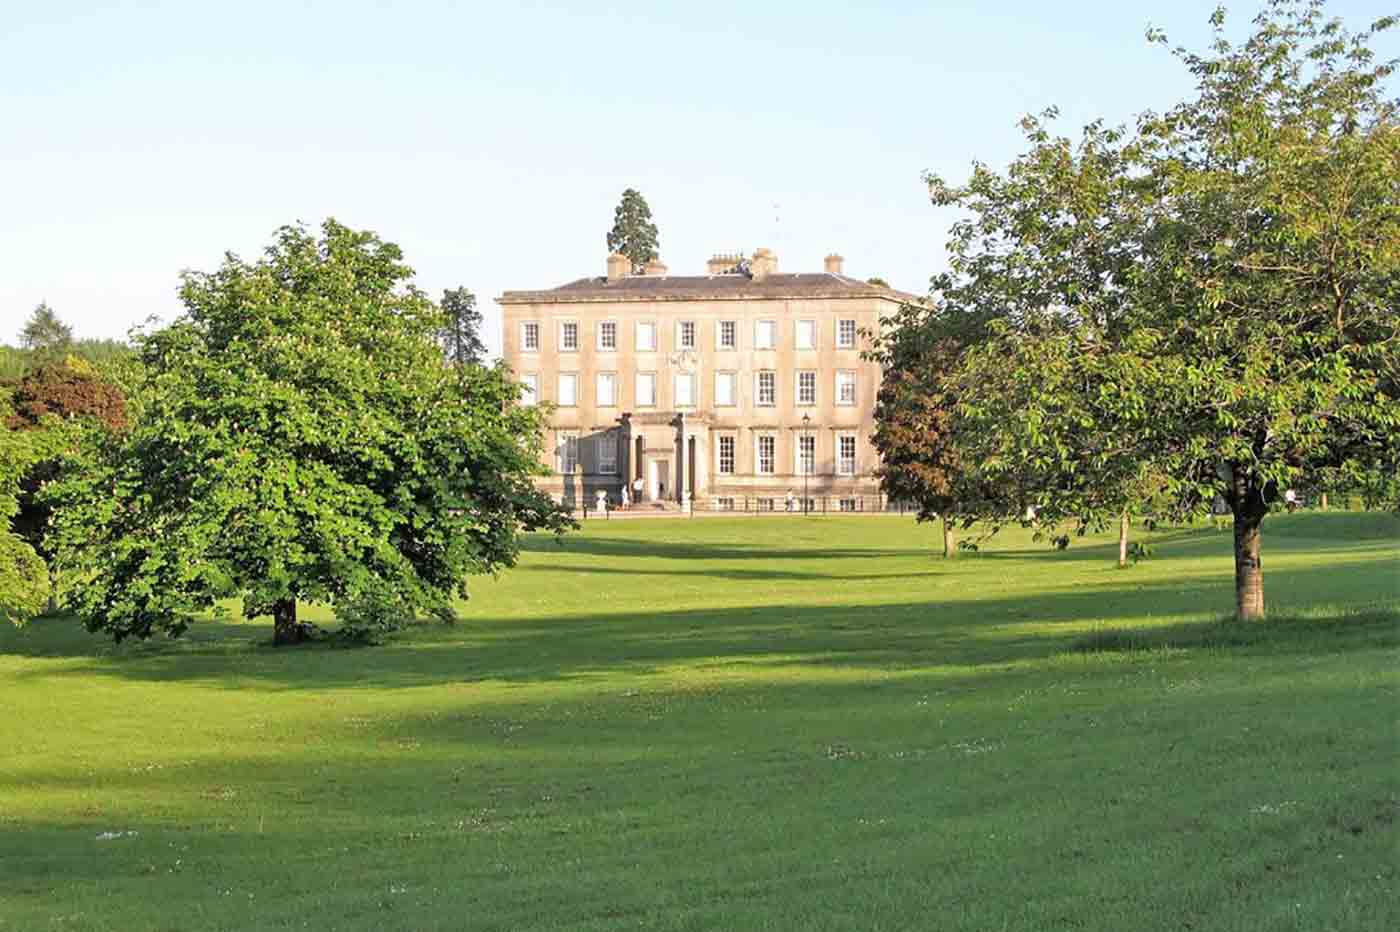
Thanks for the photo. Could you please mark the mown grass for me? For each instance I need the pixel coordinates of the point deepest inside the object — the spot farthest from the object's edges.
(778, 723)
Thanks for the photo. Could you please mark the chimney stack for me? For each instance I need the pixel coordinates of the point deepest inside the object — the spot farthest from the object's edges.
(764, 263)
(618, 266)
(833, 264)
(723, 263)
(655, 267)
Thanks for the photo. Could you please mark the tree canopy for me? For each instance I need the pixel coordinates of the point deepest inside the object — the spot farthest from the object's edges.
(633, 234)
(299, 438)
(45, 334)
(1201, 309)
(461, 330)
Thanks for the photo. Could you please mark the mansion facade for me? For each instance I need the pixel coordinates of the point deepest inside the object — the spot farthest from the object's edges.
(731, 389)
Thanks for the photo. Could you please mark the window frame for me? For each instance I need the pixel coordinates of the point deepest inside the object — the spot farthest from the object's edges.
(599, 402)
(607, 440)
(839, 400)
(798, 380)
(637, 386)
(841, 438)
(733, 325)
(855, 333)
(559, 390)
(565, 446)
(733, 376)
(531, 395)
(602, 326)
(772, 343)
(691, 380)
(637, 337)
(804, 438)
(694, 342)
(720, 440)
(758, 469)
(758, 401)
(811, 326)
(563, 329)
(525, 327)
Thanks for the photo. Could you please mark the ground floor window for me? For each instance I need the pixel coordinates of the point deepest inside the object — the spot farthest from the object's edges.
(567, 451)
(766, 504)
(767, 449)
(846, 454)
(724, 504)
(607, 453)
(848, 504)
(726, 455)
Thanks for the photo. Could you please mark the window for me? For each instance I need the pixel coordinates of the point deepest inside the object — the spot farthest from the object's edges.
(767, 449)
(646, 336)
(685, 334)
(531, 391)
(766, 504)
(607, 336)
(568, 389)
(848, 504)
(726, 455)
(568, 336)
(726, 389)
(607, 389)
(845, 387)
(646, 389)
(724, 504)
(766, 391)
(727, 336)
(806, 454)
(765, 334)
(606, 449)
(807, 388)
(806, 334)
(567, 451)
(846, 455)
(685, 389)
(846, 334)
(530, 336)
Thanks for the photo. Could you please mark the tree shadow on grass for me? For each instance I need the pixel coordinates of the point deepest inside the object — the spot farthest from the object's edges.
(891, 636)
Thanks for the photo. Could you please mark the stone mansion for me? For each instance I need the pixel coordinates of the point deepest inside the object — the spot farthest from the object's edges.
(727, 388)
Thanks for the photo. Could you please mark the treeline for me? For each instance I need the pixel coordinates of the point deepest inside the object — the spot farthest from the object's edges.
(312, 428)
(1199, 311)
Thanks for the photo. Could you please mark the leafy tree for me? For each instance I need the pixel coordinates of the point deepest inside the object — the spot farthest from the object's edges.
(877, 280)
(461, 333)
(44, 334)
(24, 578)
(300, 439)
(916, 429)
(1247, 340)
(47, 401)
(633, 234)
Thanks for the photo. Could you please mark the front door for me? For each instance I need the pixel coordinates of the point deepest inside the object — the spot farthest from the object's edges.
(657, 481)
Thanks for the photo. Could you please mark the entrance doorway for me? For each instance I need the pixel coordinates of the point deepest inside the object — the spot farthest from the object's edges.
(659, 480)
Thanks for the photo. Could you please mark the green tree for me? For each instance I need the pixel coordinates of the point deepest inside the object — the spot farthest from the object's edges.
(1252, 341)
(633, 234)
(45, 335)
(24, 578)
(461, 332)
(298, 438)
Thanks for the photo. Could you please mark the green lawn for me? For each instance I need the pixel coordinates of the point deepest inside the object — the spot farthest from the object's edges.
(778, 723)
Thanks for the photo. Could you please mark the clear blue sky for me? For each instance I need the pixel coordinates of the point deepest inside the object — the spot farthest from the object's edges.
(492, 140)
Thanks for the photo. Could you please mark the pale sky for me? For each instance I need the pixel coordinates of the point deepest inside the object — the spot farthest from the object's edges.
(492, 140)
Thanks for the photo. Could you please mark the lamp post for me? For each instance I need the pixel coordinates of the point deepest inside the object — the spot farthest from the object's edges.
(806, 463)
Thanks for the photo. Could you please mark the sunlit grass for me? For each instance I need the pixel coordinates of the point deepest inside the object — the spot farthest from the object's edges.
(778, 723)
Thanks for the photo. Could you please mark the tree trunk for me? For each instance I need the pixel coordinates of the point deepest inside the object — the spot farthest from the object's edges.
(285, 629)
(1324, 501)
(1123, 523)
(1249, 508)
(950, 546)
